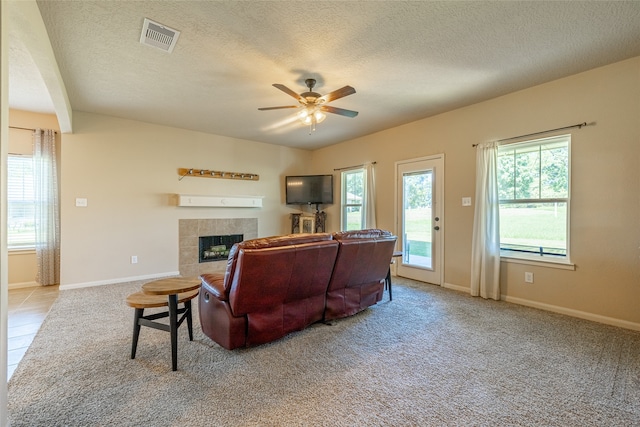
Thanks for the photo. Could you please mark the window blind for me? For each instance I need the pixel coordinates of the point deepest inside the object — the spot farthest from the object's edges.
(20, 202)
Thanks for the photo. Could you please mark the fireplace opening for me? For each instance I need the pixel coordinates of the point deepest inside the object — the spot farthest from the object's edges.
(215, 248)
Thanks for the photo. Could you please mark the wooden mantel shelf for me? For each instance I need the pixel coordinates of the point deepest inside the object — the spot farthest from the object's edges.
(191, 200)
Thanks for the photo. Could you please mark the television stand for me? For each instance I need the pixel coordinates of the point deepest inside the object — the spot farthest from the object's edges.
(319, 222)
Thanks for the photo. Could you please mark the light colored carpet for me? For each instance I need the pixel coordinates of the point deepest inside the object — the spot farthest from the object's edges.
(430, 357)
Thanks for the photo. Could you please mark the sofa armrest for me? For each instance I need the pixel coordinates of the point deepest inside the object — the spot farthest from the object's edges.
(214, 284)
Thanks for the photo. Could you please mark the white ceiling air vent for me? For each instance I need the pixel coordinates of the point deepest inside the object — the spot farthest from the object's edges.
(158, 36)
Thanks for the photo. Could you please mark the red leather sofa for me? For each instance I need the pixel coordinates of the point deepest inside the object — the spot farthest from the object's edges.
(271, 287)
(277, 285)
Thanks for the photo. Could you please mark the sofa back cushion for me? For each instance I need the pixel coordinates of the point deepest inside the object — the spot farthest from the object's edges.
(281, 288)
(274, 275)
(361, 266)
(363, 256)
(266, 242)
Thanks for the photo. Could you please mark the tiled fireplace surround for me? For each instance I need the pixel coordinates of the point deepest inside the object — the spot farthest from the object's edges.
(190, 229)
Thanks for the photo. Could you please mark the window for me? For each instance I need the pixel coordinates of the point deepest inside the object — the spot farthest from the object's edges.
(533, 185)
(352, 199)
(20, 202)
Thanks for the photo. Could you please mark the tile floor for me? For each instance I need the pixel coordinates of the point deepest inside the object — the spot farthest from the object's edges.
(27, 309)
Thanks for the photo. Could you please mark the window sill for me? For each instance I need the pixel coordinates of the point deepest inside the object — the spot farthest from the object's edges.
(21, 251)
(550, 263)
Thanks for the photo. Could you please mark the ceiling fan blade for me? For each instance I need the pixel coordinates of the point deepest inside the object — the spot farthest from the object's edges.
(336, 94)
(341, 111)
(290, 92)
(278, 108)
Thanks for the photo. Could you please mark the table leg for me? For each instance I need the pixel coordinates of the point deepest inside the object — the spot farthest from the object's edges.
(136, 331)
(187, 306)
(173, 329)
(388, 284)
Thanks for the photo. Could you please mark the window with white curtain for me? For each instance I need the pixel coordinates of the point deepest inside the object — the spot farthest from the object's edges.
(534, 190)
(20, 203)
(353, 197)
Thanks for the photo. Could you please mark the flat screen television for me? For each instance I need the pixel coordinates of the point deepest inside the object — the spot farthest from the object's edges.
(309, 189)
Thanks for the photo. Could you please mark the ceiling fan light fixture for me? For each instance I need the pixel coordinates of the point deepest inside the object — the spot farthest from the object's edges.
(303, 114)
(311, 115)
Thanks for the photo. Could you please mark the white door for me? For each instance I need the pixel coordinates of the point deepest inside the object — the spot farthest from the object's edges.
(420, 224)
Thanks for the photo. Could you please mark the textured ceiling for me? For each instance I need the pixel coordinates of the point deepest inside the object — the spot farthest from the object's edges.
(406, 59)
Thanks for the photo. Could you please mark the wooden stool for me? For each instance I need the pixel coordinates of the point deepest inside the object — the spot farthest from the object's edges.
(141, 300)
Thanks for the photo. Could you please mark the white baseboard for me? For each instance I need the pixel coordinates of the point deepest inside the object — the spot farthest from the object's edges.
(456, 287)
(119, 280)
(23, 285)
(574, 313)
(557, 309)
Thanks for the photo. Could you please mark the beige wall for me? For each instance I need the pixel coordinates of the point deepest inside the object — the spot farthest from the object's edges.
(22, 264)
(128, 172)
(605, 186)
(22, 269)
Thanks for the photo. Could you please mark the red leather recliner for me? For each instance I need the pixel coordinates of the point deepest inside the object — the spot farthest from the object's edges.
(361, 267)
(271, 287)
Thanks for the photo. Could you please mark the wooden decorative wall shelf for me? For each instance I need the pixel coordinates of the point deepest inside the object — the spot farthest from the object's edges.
(206, 173)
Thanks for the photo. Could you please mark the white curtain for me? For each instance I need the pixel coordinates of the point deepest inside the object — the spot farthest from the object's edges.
(47, 217)
(485, 250)
(369, 197)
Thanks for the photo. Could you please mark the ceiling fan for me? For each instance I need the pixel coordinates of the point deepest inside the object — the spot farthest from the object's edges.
(313, 105)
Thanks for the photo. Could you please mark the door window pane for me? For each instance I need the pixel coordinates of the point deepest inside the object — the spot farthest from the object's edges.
(417, 218)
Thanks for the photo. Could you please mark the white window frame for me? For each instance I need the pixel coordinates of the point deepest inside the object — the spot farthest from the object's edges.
(343, 196)
(535, 258)
(13, 245)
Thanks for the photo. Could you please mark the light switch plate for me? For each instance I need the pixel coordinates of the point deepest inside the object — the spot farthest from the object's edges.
(81, 202)
(466, 201)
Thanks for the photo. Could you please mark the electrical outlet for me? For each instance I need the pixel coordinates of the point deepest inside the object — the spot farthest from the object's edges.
(134, 259)
(528, 277)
